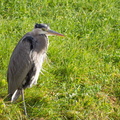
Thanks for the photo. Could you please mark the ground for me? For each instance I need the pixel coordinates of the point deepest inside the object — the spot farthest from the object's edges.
(81, 80)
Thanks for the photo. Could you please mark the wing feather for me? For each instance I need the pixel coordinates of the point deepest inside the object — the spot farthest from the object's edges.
(26, 63)
(20, 64)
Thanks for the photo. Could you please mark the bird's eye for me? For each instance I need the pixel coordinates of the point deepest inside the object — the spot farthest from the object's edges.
(44, 29)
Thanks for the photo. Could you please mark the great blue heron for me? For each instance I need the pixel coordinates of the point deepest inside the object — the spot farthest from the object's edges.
(27, 59)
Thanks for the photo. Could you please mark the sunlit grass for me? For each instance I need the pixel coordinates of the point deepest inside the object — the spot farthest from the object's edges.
(81, 80)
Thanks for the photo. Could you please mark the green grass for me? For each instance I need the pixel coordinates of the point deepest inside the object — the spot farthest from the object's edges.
(82, 77)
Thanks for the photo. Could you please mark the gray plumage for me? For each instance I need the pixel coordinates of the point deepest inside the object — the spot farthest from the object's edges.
(24, 61)
(27, 59)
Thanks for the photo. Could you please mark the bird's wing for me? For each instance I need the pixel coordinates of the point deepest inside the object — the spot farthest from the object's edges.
(20, 63)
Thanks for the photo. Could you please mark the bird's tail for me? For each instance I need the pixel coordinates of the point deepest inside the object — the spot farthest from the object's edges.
(15, 95)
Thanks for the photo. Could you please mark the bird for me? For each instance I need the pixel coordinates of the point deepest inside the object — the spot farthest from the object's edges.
(26, 61)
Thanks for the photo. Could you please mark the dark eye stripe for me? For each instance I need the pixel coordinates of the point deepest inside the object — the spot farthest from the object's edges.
(40, 25)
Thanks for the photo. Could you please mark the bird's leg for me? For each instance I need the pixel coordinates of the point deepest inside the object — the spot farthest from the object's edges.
(23, 100)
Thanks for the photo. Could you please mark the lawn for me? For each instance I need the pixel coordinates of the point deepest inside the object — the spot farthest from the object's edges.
(81, 77)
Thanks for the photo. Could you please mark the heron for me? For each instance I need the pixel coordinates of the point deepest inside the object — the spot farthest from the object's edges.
(26, 61)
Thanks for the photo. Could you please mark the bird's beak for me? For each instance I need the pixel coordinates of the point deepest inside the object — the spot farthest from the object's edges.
(51, 32)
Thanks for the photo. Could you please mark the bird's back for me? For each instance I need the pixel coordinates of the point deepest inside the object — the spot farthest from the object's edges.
(26, 62)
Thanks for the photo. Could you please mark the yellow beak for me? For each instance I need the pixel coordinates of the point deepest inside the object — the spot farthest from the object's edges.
(51, 32)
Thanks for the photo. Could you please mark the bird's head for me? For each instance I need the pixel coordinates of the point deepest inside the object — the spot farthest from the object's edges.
(45, 29)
